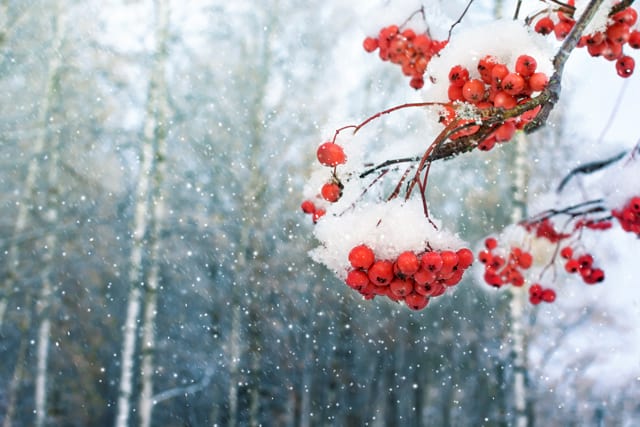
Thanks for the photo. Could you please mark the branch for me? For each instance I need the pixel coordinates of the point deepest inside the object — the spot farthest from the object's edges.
(554, 87)
(182, 391)
(590, 168)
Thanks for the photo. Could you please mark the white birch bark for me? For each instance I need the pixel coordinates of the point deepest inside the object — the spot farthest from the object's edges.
(146, 402)
(518, 297)
(33, 169)
(140, 228)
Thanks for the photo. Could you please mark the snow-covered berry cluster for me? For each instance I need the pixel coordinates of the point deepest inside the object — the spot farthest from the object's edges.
(629, 216)
(494, 85)
(608, 42)
(411, 277)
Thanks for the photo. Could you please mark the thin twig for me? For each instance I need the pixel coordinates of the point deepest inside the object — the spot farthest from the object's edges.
(464, 12)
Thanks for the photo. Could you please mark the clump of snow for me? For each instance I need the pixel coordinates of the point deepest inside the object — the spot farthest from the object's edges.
(600, 19)
(623, 182)
(503, 39)
(389, 228)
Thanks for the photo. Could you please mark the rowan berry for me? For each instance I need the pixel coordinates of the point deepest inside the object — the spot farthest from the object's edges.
(357, 279)
(618, 33)
(625, 66)
(331, 154)
(548, 295)
(370, 44)
(361, 256)
(526, 65)
(431, 261)
(308, 207)
(513, 84)
(381, 273)
(544, 26)
(331, 192)
(416, 301)
(401, 287)
(634, 39)
(473, 90)
(458, 75)
(408, 263)
(538, 81)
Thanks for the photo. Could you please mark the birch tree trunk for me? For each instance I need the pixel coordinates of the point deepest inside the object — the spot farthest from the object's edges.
(154, 132)
(518, 297)
(33, 169)
(158, 96)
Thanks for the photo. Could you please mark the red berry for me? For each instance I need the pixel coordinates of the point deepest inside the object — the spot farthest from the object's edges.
(505, 131)
(538, 81)
(562, 29)
(618, 33)
(408, 263)
(449, 259)
(424, 276)
(525, 260)
(625, 66)
(503, 100)
(485, 65)
(381, 273)
(308, 207)
(526, 65)
(490, 243)
(454, 279)
(417, 82)
(627, 16)
(401, 287)
(431, 261)
(473, 90)
(566, 252)
(331, 154)
(465, 258)
(357, 279)
(585, 261)
(493, 278)
(498, 72)
(572, 266)
(634, 39)
(458, 75)
(544, 26)
(513, 84)
(548, 295)
(331, 192)
(370, 44)
(416, 301)
(535, 289)
(317, 214)
(595, 276)
(455, 93)
(361, 256)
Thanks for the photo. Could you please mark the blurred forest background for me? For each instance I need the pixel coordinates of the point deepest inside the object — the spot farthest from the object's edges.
(154, 266)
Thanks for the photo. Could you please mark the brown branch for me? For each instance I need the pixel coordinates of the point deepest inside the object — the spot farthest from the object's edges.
(464, 12)
(554, 87)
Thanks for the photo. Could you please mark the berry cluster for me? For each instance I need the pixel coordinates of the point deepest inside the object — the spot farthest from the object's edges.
(582, 264)
(495, 86)
(538, 294)
(629, 216)
(560, 22)
(310, 208)
(608, 43)
(405, 48)
(544, 229)
(412, 278)
(500, 270)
